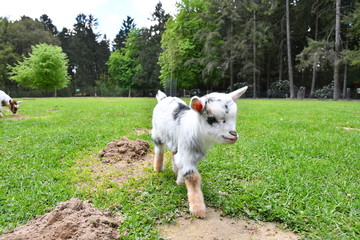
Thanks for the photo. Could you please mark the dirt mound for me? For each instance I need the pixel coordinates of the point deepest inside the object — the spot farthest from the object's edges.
(119, 161)
(124, 150)
(73, 219)
(215, 227)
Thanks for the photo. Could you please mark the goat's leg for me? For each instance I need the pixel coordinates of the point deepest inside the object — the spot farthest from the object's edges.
(195, 195)
(178, 169)
(159, 157)
(174, 166)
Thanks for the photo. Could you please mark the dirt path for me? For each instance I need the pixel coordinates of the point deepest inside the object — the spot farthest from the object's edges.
(216, 227)
(78, 220)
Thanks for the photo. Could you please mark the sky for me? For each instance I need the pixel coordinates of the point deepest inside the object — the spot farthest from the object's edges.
(110, 13)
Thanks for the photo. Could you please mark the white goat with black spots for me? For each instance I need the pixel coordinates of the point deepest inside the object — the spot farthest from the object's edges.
(6, 101)
(189, 132)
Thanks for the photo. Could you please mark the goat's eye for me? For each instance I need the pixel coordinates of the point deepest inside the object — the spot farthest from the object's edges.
(211, 120)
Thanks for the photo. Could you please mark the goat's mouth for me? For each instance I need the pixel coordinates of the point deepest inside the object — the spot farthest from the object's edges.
(230, 139)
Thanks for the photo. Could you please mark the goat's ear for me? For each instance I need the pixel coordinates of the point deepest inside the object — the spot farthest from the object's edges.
(196, 104)
(19, 102)
(235, 95)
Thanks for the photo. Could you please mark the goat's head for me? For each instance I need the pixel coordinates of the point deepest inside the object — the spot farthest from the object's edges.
(14, 105)
(218, 115)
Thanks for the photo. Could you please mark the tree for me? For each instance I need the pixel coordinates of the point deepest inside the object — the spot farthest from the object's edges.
(149, 49)
(120, 39)
(337, 52)
(7, 53)
(318, 53)
(27, 32)
(87, 55)
(181, 55)
(16, 39)
(288, 40)
(123, 65)
(45, 69)
(49, 26)
(353, 21)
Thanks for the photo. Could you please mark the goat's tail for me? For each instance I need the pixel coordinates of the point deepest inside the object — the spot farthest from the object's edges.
(160, 95)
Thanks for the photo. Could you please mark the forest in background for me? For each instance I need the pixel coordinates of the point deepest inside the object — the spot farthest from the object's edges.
(278, 48)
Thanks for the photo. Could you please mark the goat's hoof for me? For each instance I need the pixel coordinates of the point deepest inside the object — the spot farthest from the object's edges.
(179, 183)
(198, 211)
(157, 169)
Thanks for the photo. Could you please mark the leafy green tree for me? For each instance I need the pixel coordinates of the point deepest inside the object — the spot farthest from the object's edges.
(123, 65)
(27, 32)
(120, 39)
(149, 49)
(235, 32)
(87, 54)
(353, 21)
(7, 53)
(49, 26)
(45, 69)
(16, 39)
(181, 54)
(320, 53)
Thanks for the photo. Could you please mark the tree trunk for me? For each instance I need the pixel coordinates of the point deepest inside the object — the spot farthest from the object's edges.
(337, 50)
(254, 57)
(231, 56)
(281, 64)
(290, 67)
(313, 79)
(345, 81)
(345, 74)
(281, 53)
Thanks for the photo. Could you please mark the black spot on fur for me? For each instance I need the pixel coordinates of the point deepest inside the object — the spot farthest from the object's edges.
(180, 110)
(211, 120)
(189, 173)
(157, 141)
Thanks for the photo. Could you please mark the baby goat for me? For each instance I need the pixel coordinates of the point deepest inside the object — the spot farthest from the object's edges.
(6, 100)
(189, 132)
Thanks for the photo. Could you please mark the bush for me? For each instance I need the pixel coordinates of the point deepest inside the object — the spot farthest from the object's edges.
(281, 85)
(279, 88)
(106, 90)
(326, 92)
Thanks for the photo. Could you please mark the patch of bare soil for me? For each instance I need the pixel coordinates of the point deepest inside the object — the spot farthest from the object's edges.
(350, 129)
(140, 131)
(216, 227)
(73, 219)
(17, 117)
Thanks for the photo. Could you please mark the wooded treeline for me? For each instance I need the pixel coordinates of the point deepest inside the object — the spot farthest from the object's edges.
(278, 48)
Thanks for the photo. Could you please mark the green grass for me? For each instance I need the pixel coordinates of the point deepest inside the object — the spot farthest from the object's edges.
(294, 164)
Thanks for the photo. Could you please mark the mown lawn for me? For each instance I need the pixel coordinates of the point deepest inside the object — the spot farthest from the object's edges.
(294, 164)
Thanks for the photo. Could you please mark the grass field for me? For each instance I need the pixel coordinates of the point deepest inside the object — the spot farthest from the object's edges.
(297, 163)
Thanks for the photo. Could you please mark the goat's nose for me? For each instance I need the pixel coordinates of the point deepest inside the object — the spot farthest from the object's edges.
(233, 133)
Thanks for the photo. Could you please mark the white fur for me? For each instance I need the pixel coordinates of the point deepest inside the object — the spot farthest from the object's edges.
(6, 100)
(189, 134)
